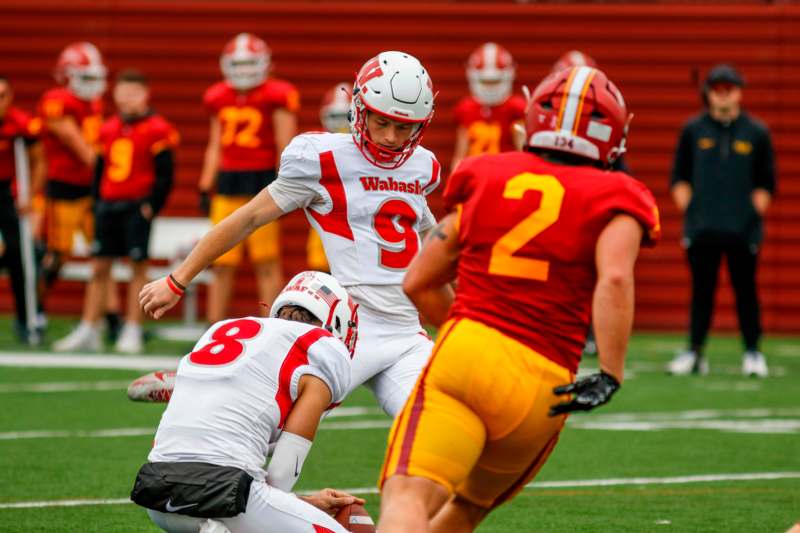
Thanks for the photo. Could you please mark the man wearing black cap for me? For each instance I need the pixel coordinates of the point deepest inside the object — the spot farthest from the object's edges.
(723, 180)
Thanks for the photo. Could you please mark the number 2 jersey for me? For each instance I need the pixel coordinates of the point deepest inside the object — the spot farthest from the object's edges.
(234, 392)
(528, 230)
(369, 218)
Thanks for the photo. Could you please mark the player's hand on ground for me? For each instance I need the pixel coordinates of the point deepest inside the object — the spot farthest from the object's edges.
(156, 298)
(590, 392)
(331, 500)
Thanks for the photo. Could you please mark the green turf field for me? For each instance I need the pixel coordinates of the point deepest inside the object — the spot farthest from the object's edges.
(720, 453)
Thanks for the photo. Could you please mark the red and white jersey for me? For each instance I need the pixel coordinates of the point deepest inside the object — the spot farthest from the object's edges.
(369, 218)
(235, 390)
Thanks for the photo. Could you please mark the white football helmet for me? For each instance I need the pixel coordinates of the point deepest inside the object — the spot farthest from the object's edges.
(245, 61)
(490, 72)
(397, 86)
(335, 107)
(326, 299)
(80, 67)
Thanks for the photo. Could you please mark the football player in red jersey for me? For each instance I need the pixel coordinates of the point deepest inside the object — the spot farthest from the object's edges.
(16, 123)
(72, 115)
(133, 177)
(537, 240)
(487, 117)
(253, 118)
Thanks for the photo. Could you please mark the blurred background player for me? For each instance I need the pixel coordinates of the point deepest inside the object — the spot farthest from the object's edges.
(133, 177)
(251, 383)
(487, 117)
(253, 118)
(536, 240)
(723, 180)
(365, 194)
(573, 58)
(333, 115)
(16, 123)
(72, 115)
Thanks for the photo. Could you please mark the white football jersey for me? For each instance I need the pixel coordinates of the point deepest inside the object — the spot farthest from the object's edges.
(234, 391)
(369, 218)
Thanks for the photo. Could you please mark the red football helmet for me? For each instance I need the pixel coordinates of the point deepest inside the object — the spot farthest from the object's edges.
(80, 67)
(578, 111)
(334, 109)
(573, 58)
(490, 72)
(397, 86)
(245, 61)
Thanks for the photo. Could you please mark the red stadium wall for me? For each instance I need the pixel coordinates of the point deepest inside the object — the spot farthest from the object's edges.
(654, 53)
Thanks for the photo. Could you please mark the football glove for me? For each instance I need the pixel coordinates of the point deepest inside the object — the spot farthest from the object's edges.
(590, 392)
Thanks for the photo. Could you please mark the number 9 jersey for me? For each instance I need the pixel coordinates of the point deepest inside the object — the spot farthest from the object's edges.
(369, 218)
(528, 230)
(234, 392)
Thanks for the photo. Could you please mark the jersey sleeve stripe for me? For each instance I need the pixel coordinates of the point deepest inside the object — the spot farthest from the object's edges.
(435, 177)
(295, 358)
(336, 221)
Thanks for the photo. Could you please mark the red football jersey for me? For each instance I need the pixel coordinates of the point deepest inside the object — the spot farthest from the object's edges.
(62, 164)
(528, 230)
(248, 139)
(15, 123)
(490, 129)
(128, 152)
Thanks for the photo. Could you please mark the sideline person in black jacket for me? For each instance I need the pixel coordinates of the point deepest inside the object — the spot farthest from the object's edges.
(723, 180)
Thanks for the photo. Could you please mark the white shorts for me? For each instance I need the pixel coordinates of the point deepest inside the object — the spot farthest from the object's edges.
(269, 510)
(388, 360)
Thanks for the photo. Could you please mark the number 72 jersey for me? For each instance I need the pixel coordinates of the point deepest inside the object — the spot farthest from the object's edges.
(369, 218)
(528, 230)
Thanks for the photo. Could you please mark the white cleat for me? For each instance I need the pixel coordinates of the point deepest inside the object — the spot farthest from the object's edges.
(755, 364)
(130, 339)
(212, 526)
(686, 363)
(85, 337)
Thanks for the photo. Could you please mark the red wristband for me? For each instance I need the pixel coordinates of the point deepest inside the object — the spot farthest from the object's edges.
(173, 286)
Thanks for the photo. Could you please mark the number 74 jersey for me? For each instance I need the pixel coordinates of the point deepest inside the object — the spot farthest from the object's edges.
(369, 218)
(527, 234)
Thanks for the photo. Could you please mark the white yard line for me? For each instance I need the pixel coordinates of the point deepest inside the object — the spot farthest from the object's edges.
(124, 362)
(64, 386)
(577, 483)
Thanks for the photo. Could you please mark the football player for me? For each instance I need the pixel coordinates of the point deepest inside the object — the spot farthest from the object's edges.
(249, 383)
(133, 176)
(365, 194)
(333, 115)
(487, 117)
(536, 239)
(72, 116)
(16, 123)
(253, 118)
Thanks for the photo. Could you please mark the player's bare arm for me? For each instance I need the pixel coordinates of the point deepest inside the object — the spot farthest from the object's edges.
(285, 124)
(208, 176)
(66, 130)
(612, 305)
(761, 199)
(428, 277)
(159, 296)
(331, 500)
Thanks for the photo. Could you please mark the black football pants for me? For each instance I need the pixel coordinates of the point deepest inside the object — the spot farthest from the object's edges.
(12, 258)
(704, 262)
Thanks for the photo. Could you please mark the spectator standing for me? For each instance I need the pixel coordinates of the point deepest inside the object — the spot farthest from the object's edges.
(723, 181)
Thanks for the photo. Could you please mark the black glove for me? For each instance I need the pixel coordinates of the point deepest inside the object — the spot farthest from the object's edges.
(590, 392)
(205, 203)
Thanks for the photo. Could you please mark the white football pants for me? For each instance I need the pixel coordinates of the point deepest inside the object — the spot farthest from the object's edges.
(388, 360)
(269, 510)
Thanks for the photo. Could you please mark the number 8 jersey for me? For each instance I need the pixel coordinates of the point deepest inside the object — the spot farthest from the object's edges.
(369, 218)
(235, 390)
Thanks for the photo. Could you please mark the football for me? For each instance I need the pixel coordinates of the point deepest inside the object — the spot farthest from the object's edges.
(153, 387)
(355, 518)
